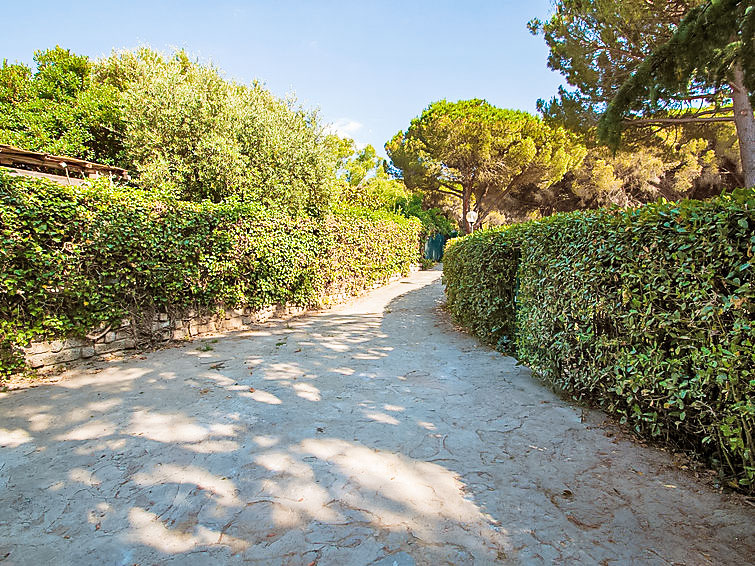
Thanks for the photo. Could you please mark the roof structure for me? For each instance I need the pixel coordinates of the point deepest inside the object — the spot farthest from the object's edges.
(37, 164)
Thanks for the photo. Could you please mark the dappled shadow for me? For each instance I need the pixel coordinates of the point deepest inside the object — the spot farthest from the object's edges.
(336, 438)
(268, 445)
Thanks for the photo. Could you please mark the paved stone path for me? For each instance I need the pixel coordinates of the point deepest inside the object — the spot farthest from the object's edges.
(370, 434)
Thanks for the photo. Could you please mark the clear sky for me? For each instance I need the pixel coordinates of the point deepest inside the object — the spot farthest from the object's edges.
(369, 66)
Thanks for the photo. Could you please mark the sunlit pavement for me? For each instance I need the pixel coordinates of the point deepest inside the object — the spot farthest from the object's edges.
(372, 433)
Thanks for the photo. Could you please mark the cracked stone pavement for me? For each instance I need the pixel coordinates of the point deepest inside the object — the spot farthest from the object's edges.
(373, 433)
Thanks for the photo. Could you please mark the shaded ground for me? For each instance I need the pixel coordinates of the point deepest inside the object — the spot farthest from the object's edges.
(372, 433)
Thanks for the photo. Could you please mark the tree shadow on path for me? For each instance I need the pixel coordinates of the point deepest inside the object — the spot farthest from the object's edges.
(341, 437)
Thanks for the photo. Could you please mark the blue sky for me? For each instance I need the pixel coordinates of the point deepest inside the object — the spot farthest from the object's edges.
(370, 66)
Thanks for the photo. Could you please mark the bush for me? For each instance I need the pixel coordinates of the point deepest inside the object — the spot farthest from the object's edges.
(480, 276)
(174, 122)
(72, 258)
(433, 220)
(188, 130)
(647, 313)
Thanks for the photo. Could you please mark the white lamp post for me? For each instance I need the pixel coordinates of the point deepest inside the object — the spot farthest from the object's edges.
(471, 218)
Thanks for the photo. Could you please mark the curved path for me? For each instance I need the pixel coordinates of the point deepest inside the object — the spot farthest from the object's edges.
(373, 433)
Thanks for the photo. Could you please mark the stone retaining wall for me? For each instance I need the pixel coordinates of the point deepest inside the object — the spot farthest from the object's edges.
(164, 328)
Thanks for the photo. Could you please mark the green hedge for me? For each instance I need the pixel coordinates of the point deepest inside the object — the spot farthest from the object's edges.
(647, 313)
(365, 246)
(72, 258)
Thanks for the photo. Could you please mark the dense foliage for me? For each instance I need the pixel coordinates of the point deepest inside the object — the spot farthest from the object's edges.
(175, 123)
(364, 182)
(682, 144)
(711, 52)
(365, 246)
(72, 258)
(60, 109)
(647, 313)
(200, 136)
(597, 45)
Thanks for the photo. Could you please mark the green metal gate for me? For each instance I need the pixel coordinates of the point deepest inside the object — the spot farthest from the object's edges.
(434, 247)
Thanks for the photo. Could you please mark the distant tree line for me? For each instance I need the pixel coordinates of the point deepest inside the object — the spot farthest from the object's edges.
(184, 131)
(660, 106)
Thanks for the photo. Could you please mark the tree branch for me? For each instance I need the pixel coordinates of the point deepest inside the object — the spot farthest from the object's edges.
(450, 186)
(691, 120)
(457, 194)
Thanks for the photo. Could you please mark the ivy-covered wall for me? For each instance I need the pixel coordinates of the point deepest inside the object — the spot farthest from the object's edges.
(647, 313)
(73, 259)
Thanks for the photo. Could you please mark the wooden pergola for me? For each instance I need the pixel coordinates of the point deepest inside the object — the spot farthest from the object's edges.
(58, 167)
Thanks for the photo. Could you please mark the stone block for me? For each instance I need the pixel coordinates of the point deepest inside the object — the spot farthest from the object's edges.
(75, 343)
(158, 325)
(37, 348)
(115, 346)
(179, 334)
(124, 334)
(233, 324)
(162, 317)
(56, 346)
(87, 352)
(53, 358)
(35, 362)
(110, 337)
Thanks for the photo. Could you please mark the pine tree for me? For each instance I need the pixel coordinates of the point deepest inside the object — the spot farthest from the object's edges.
(704, 73)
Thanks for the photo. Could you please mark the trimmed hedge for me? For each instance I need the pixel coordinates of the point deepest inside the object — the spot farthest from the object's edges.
(365, 246)
(73, 258)
(646, 313)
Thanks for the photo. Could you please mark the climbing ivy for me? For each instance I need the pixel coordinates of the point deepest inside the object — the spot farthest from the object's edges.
(647, 313)
(364, 246)
(73, 258)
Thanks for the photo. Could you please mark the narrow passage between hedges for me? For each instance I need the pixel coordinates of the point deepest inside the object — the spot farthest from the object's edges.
(372, 433)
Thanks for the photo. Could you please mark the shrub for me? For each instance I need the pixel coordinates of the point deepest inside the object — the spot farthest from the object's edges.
(647, 313)
(72, 258)
(189, 130)
(480, 276)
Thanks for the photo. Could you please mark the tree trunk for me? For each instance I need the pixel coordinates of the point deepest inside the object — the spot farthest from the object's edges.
(465, 208)
(745, 124)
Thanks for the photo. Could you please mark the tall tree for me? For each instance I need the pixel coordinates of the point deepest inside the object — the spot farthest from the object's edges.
(597, 45)
(362, 178)
(711, 56)
(478, 153)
